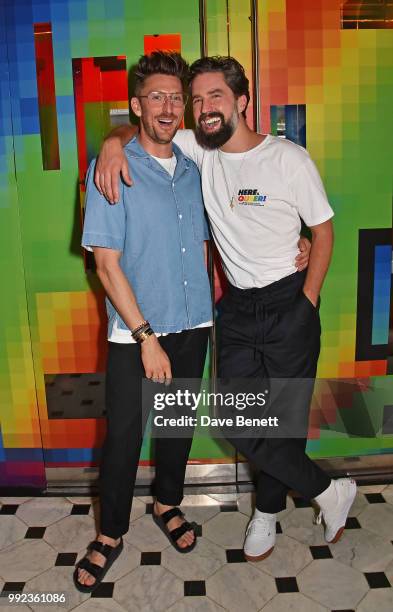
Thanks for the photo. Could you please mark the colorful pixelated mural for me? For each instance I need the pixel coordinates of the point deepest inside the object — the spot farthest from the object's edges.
(101, 103)
(289, 121)
(53, 322)
(325, 81)
(101, 96)
(311, 56)
(46, 95)
(161, 42)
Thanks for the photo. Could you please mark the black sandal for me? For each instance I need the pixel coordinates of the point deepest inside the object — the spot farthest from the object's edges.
(110, 552)
(161, 521)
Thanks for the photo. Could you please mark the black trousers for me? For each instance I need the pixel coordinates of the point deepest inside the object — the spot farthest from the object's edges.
(273, 332)
(121, 449)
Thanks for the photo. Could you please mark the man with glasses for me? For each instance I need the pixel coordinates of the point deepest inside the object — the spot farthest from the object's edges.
(149, 252)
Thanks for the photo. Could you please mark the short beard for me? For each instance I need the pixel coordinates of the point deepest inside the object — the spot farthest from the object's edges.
(215, 139)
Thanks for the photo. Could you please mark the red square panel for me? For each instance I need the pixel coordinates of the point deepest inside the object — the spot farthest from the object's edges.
(162, 42)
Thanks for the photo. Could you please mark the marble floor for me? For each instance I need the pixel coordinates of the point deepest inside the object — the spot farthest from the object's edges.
(41, 538)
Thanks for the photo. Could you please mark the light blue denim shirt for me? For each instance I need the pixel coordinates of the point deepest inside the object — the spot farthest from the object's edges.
(159, 225)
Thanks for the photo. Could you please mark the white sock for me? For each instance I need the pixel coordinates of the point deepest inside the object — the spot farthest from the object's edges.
(328, 497)
(267, 515)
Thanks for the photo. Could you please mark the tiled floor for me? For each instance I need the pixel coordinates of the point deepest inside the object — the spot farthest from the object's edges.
(41, 539)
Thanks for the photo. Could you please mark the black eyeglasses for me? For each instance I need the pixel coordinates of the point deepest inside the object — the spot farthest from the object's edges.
(158, 98)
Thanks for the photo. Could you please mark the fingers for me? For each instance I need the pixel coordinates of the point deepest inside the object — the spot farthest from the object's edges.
(125, 173)
(168, 375)
(304, 244)
(160, 375)
(153, 374)
(107, 182)
(102, 180)
(114, 189)
(99, 180)
(102, 184)
(97, 177)
(301, 262)
(107, 187)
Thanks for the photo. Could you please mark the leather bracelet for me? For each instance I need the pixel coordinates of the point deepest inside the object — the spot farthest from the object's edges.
(142, 336)
(135, 333)
(139, 326)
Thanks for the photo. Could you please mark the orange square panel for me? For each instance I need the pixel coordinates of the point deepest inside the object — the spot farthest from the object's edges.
(162, 42)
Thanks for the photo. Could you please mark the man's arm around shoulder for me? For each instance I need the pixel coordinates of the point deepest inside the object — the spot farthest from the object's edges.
(112, 162)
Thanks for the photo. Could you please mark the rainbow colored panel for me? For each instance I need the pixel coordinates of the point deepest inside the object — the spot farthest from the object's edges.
(162, 42)
(53, 316)
(101, 95)
(344, 80)
(72, 332)
(101, 102)
(46, 96)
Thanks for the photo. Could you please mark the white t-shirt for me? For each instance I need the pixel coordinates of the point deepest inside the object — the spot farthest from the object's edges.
(168, 163)
(273, 185)
(123, 336)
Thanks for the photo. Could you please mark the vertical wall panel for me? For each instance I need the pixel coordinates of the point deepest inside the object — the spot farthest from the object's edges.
(67, 322)
(46, 96)
(340, 82)
(21, 454)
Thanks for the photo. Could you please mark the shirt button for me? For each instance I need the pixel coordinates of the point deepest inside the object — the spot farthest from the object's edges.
(180, 216)
(183, 250)
(185, 282)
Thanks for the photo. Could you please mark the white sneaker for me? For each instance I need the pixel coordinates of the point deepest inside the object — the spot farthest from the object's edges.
(260, 536)
(335, 504)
